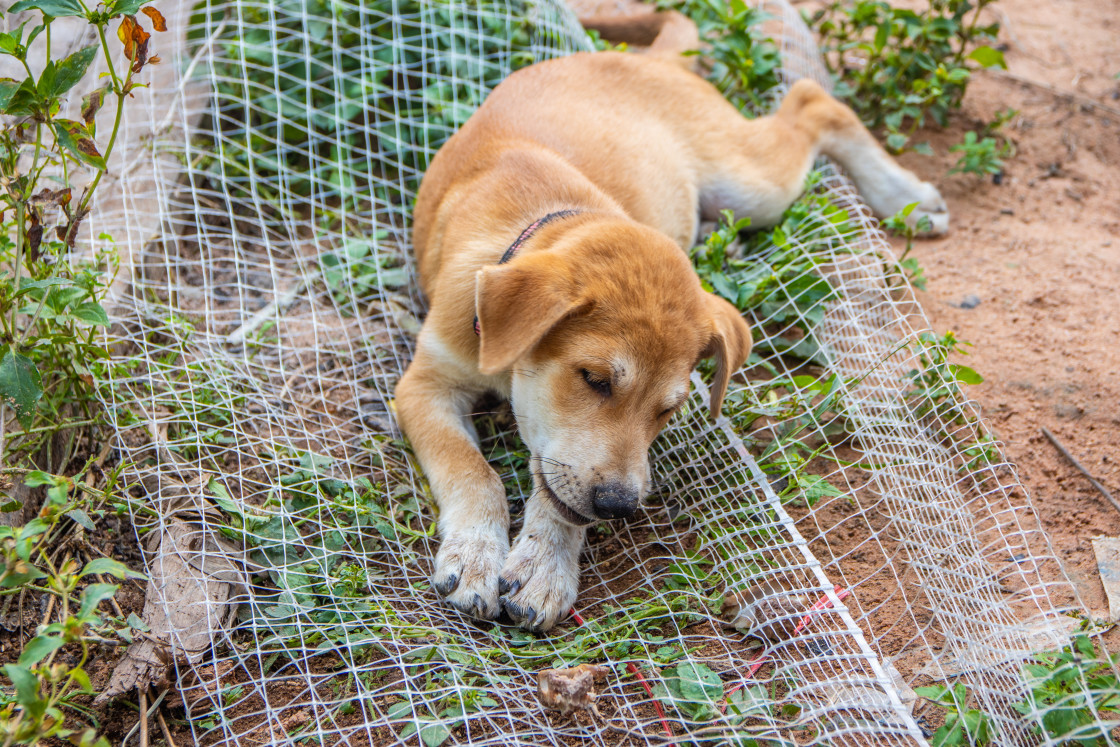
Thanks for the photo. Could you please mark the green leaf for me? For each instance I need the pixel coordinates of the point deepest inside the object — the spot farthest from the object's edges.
(988, 57)
(896, 141)
(91, 312)
(76, 138)
(95, 594)
(82, 518)
(12, 505)
(8, 89)
(27, 684)
(433, 735)
(698, 682)
(38, 649)
(127, 7)
(815, 487)
(965, 375)
(72, 69)
(35, 478)
(56, 8)
(110, 566)
(21, 387)
(29, 285)
(82, 679)
(22, 101)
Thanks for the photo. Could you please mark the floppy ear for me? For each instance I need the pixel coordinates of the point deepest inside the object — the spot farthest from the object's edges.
(729, 345)
(517, 305)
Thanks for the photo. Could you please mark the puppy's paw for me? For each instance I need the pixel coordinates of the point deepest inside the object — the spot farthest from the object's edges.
(895, 188)
(540, 580)
(467, 567)
(931, 205)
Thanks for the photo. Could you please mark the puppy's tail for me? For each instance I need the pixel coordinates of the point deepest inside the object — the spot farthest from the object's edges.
(666, 34)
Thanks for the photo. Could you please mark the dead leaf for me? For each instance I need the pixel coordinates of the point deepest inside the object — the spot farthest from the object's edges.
(190, 598)
(1107, 552)
(135, 40)
(569, 690)
(124, 33)
(93, 101)
(47, 195)
(771, 618)
(158, 23)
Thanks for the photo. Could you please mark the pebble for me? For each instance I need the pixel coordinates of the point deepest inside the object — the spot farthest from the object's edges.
(971, 301)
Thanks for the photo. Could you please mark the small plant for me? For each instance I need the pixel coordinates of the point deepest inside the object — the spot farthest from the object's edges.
(937, 383)
(693, 689)
(1074, 695)
(744, 64)
(979, 157)
(899, 226)
(897, 66)
(45, 683)
(50, 300)
(963, 725)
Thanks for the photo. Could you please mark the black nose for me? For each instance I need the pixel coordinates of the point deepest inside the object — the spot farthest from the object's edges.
(614, 502)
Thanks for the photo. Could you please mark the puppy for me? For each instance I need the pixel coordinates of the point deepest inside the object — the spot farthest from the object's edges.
(551, 234)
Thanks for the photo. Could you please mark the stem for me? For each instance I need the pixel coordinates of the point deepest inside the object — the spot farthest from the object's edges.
(20, 210)
(46, 428)
(35, 318)
(119, 89)
(3, 429)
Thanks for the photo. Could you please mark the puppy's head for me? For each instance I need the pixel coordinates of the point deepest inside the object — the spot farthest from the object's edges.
(600, 332)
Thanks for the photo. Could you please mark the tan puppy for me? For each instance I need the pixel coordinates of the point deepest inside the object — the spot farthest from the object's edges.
(591, 174)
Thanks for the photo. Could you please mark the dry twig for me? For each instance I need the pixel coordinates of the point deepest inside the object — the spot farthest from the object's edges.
(143, 717)
(1100, 488)
(1055, 91)
(163, 727)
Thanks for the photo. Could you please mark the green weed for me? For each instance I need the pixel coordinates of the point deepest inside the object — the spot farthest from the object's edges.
(908, 266)
(48, 688)
(963, 725)
(898, 67)
(743, 64)
(979, 157)
(1075, 694)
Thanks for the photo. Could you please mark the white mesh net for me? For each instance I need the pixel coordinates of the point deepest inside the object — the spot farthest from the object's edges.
(268, 303)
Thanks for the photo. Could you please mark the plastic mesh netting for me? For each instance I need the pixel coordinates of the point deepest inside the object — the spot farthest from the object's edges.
(849, 501)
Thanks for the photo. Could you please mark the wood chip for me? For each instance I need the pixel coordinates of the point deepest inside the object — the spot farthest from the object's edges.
(569, 690)
(770, 618)
(190, 598)
(1107, 550)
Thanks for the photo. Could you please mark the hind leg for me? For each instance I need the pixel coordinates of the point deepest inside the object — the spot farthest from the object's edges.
(762, 165)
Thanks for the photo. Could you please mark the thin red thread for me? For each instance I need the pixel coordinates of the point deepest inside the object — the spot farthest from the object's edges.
(821, 604)
(641, 680)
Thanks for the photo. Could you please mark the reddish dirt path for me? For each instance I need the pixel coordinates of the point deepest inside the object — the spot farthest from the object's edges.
(1042, 253)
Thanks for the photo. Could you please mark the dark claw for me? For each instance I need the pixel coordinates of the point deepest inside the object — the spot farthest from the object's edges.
(476, 608)
(515, 611)
(446, 587)
(503, 585)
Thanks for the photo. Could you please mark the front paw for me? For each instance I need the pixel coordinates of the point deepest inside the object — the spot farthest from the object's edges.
(931, 205)
(539, 581)
(467, 567)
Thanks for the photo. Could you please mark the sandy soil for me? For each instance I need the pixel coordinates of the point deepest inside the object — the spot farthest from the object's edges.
(1041, 252)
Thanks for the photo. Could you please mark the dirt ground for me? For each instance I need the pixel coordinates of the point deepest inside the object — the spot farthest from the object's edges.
(1041, 253)
(1029, 272)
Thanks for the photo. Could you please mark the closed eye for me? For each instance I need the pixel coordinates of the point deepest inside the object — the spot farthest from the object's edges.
(596, 382)
(668, 411)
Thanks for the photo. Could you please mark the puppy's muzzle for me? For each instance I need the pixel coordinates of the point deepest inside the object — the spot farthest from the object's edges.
(614, 501)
